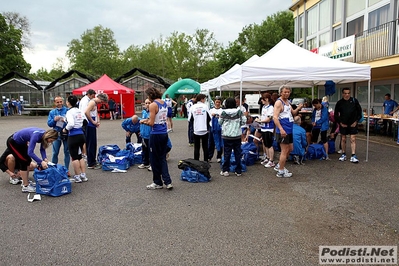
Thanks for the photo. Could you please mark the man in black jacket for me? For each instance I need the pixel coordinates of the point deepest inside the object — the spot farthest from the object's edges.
(347, 114)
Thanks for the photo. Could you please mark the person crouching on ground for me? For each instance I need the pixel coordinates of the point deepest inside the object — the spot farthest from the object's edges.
(300, 143)
(231, 120)
(13, 172)
(132, 125)
(22, 145)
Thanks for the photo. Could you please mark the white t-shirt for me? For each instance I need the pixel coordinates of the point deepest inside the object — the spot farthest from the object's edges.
(216, 111)
(83, 105)
(200, 113)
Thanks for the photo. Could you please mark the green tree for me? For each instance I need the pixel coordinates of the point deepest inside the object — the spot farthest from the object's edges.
(95, 53)
(11, 58)
(177, 55)
(258, 39)
(56, 72)
(230, 56)
(22, 23)
(204, 48)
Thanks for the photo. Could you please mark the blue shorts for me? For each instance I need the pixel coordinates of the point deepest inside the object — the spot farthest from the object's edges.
(169, 112)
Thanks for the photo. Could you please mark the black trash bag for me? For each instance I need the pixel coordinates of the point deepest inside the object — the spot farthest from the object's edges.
(200, 166)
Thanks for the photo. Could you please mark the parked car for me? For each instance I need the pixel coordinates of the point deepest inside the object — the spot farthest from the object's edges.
(305, 101)
(253, 102)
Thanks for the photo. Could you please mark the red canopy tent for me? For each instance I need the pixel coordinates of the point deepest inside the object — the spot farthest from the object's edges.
(121, 94)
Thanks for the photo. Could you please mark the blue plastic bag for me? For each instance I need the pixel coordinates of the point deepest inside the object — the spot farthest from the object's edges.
(52, 181)
(316, 151)
(249, 153)
(106, 149)
(193, 176)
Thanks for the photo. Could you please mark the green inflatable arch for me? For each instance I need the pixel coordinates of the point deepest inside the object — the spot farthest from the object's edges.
(183, 86)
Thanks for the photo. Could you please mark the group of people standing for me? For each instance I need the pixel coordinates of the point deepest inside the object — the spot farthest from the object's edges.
(74, 126)
(12, 107)
(223, 127)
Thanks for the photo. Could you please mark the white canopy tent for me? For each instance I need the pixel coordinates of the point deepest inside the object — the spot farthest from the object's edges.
(231, 77)
(289, 64)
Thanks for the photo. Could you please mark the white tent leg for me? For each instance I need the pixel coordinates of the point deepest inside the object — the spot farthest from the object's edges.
(368, 121)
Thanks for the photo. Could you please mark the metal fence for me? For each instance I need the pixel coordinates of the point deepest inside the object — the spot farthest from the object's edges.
(376, 43)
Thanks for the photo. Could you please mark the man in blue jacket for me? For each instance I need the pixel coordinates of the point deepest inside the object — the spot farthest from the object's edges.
(132, 125)
(300, 142)
(56, 120)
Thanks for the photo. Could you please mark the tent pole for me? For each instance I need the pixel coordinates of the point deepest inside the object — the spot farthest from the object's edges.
(121, 107)
(368, 121)
(241, 103)
(44, 100)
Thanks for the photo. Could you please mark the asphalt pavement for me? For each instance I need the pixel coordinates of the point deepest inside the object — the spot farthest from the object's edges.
(255, 219)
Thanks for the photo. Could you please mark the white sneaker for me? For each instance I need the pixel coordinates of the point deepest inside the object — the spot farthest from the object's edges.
(340, 151)
(342, 158)
(15, 180)
(30, 183)
(270, 164)
(143, 166)
(237, 174)
(265, 161)
(277, 167)
(84, 178)
(284, 173)
(224, 173)
(218, 160)
(354, 159)
(29, 188)
(154, 186)
(77, 179)
(149, 168)
(169, 186)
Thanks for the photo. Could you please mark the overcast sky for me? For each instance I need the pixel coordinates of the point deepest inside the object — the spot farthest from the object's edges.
(54, 23)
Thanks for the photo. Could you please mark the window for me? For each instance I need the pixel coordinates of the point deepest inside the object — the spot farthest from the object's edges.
(301, 28)
(362, 95)
(312, 21)
(324, 38)
(372, 2)
(395, 95)
(337, 34)
(325, 20)
(355, 26)
(354, 6)
(378, 17)
(337, 11)
(380, 91)
(311, 44)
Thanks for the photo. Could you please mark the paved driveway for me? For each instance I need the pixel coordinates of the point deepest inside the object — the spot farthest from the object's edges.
(255, 219)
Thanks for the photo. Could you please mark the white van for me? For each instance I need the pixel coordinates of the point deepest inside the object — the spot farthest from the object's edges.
(253, 102)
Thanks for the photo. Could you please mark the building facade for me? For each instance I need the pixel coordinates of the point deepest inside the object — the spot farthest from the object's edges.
(374, 25)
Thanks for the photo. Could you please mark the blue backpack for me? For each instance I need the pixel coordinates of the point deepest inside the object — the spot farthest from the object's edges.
(331, 146)
(249, 153)
(316, 151)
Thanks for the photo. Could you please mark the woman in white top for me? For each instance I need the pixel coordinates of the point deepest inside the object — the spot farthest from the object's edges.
(76, 138)
(267, 129)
